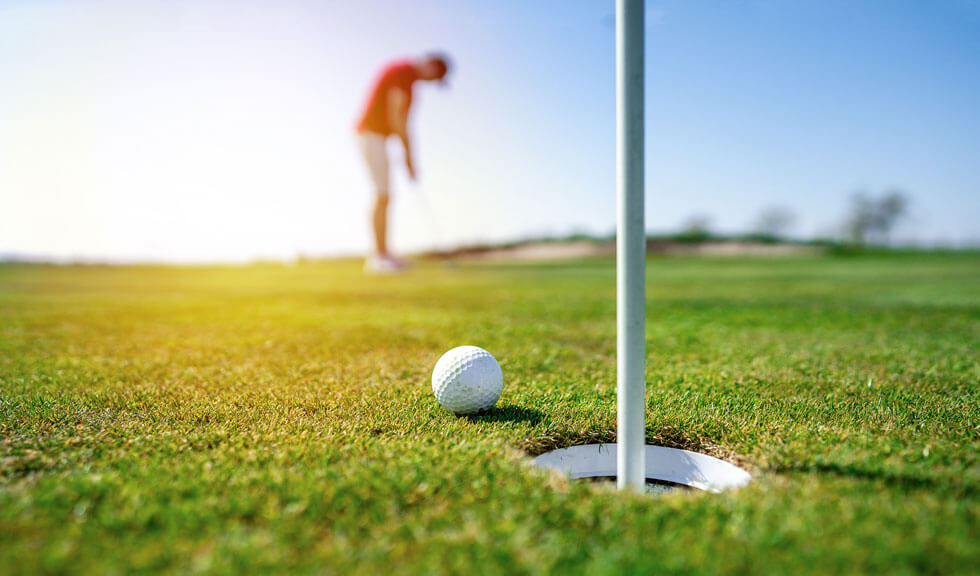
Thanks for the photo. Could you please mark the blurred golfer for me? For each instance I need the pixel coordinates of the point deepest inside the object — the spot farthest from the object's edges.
(386, 114)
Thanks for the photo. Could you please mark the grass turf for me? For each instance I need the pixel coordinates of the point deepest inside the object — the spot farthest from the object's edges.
(279, 419)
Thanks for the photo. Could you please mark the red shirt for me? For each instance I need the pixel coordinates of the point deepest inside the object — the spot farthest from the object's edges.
(396, 75)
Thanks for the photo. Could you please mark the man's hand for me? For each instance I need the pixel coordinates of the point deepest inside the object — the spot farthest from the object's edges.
(410, 166)
(398, 119)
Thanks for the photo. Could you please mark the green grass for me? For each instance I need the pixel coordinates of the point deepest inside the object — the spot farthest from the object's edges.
(279, 419)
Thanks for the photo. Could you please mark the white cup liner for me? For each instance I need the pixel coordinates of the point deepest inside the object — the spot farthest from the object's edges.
(662, 464)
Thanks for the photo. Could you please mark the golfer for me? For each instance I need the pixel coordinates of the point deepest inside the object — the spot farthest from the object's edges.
(386, 114)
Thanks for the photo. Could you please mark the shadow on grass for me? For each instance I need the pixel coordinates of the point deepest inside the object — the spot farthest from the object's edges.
(557, 438)
(896, 479)
(509, 413)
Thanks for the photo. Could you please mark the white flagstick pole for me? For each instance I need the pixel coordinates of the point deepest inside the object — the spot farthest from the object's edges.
(630, 247)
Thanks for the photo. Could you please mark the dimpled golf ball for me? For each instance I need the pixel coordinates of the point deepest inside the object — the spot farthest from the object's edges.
(467, 380)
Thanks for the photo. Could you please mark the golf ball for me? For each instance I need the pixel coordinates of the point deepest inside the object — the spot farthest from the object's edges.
(467, 380)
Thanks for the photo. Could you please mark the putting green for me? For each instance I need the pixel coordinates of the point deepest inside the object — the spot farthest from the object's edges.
(280, 418)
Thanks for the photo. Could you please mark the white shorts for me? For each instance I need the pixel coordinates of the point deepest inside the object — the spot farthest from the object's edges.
(375, 154)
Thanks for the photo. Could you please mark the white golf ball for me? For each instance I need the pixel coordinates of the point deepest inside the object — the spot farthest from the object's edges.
(467, 380)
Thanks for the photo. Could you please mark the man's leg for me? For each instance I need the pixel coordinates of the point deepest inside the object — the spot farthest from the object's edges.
(380, 219)
(376, 156)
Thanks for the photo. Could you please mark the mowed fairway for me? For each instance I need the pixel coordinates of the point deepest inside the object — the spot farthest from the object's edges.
(280, 419)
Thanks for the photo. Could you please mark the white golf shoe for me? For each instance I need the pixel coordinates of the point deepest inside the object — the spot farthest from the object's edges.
(385, 265)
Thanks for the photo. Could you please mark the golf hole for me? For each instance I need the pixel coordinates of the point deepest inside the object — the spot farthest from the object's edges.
(666, 469)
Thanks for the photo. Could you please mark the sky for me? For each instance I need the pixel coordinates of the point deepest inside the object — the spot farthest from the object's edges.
(222, 130)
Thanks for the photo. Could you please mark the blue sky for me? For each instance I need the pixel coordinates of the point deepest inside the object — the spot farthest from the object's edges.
(222, 130)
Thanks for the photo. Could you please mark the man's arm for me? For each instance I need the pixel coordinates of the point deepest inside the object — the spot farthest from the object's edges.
(398, 120)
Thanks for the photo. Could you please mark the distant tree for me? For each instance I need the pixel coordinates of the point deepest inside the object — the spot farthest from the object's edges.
(774, 222)
(892, 207)
(872, 219)
(697, 228)
(859, 223)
